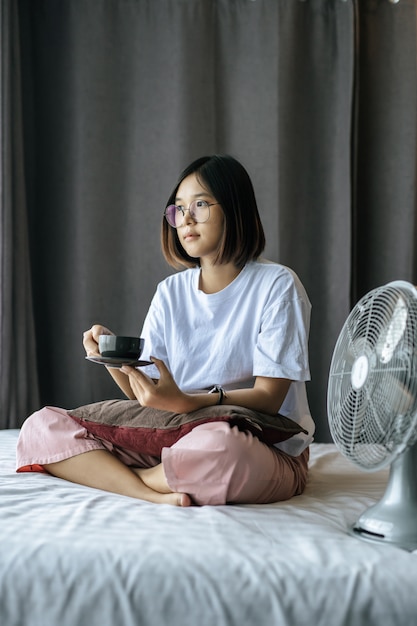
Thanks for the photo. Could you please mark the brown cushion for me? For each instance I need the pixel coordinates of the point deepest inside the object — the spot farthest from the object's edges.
(127, 424)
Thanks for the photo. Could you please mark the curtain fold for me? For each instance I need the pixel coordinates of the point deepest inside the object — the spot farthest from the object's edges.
(18, 372)
(316, 98)
(385, 158)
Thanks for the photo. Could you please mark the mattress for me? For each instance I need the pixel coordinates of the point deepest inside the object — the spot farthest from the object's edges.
(74, 556)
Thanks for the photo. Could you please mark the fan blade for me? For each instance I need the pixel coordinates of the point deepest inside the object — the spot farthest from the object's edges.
(392, 332)
(346, 423)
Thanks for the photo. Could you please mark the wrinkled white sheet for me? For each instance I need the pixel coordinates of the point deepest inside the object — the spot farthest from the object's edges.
(75, 556)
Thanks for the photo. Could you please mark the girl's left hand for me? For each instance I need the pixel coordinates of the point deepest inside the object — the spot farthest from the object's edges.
(160, 394)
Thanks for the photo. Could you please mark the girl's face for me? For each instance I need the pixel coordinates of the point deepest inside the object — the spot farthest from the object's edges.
(199, 240)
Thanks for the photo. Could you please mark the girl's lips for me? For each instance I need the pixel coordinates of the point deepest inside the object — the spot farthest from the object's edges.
(190, 236)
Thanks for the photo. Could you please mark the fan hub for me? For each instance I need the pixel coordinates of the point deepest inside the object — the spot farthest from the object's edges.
(360, 371)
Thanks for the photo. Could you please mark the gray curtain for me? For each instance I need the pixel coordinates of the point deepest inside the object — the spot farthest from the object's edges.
(317, 98)
(18, 372)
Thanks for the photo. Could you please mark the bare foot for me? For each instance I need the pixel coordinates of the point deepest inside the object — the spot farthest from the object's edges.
(177, 499)
(153, 477)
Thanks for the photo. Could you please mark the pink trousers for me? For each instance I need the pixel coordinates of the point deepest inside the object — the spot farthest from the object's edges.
(214, 463)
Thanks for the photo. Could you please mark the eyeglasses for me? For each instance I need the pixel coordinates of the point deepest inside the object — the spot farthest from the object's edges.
(199, 212)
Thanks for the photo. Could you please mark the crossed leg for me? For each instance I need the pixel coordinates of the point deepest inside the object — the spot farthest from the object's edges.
(153, 477)
(102, 470)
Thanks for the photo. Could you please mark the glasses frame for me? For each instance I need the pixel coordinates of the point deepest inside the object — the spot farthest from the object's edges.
(189, 209)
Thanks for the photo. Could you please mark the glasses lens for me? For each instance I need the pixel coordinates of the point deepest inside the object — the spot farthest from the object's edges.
(173, 215)
(199, 211)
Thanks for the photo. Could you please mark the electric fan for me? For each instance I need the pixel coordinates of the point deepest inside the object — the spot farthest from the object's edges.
(372, 406)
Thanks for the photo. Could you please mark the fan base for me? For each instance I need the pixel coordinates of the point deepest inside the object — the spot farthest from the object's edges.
(405, 543)
(393, 520)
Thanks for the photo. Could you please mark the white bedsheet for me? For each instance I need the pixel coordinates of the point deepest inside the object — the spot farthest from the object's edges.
(75, 556)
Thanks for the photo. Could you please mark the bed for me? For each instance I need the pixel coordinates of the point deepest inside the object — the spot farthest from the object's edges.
(75, 556)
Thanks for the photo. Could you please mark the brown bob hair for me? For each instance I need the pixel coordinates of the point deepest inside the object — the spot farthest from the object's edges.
(243, 237)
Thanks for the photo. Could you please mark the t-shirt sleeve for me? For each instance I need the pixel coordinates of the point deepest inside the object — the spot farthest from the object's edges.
(153, 332)
(281, 350)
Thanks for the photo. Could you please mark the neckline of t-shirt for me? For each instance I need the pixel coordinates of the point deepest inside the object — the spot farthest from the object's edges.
(224, 294)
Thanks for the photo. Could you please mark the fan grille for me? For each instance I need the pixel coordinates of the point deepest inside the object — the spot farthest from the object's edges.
(372, 391)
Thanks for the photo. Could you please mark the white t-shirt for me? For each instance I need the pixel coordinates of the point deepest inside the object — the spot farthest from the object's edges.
(257, 326)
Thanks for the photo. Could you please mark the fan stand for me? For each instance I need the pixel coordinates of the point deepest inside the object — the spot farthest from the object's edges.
(393, 519)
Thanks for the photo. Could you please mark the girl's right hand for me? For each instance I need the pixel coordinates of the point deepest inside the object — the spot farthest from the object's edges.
(90, 339)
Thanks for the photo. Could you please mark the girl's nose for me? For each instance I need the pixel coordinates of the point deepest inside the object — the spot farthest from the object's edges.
(188, 218)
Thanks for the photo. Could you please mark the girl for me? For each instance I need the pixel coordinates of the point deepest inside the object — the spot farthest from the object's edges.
(230, 320)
